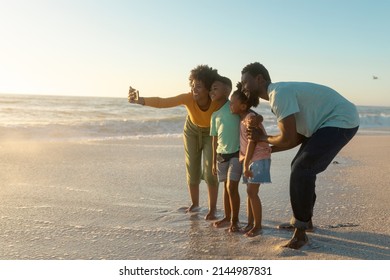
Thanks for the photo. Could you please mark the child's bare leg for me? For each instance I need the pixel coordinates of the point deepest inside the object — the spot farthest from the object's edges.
(249, 213)
(226, 207)
(253, 190)
(193, 189)
(234, 197)
(213, 196)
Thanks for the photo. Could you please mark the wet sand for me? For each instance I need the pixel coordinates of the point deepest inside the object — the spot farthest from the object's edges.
(125, 199)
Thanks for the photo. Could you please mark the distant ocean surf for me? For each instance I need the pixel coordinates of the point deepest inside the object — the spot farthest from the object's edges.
(96, 118)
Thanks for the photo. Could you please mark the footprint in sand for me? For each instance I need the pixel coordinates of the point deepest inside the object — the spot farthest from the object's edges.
(343, 225)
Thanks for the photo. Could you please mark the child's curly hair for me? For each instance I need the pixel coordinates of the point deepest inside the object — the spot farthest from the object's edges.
(246, 98)
(205, 74)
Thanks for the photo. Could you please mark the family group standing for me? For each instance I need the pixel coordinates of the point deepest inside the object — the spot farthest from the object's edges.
(313, 116)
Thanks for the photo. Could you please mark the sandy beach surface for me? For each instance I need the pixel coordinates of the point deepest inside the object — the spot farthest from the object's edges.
(123, 200)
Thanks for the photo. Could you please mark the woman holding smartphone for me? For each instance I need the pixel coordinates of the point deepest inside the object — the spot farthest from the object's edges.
(196, 134)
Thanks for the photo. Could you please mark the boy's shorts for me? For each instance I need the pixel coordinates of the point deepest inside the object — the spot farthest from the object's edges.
(261, 172)
(229, 170)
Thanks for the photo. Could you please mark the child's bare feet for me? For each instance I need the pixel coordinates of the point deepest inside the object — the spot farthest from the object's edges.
(234, 227)
(210, 215)
(254, 232)
(222, 223)
(247, 228)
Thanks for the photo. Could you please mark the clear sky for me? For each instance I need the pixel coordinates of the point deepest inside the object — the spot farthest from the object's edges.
(100, 47)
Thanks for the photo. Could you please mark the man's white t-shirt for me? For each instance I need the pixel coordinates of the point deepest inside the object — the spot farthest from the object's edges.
(314, 106)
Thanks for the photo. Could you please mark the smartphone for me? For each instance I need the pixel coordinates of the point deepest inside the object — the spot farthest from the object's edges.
(136, 95)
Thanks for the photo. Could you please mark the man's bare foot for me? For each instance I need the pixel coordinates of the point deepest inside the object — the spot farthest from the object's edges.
(210, 216)
(234, 227)
(288, 226)
(222, 223)
(298, 240)
(192, 208)
(254, 232)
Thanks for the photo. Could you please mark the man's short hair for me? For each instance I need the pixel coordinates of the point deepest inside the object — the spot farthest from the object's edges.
(256, 69)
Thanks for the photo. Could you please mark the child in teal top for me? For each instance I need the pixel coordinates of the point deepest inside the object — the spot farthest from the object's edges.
(225, 131)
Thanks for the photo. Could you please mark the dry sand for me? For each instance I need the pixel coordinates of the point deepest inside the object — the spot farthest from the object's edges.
(125, 200)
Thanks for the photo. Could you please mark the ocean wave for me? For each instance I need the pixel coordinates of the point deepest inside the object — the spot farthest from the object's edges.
(371, 120)
(113, 118)
(102, 129)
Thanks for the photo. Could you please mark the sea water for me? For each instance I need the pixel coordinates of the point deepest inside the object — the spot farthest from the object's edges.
(102, 200)
(96, 118)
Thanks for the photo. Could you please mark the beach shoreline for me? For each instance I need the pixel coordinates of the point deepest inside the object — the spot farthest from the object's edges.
(125, 199)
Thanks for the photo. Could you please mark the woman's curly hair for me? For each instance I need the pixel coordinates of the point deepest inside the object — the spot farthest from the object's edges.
(205, 74)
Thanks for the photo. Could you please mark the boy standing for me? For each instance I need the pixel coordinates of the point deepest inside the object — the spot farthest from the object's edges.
(225, 131)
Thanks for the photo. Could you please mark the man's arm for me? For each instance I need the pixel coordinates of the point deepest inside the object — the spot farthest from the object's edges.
(287, 139)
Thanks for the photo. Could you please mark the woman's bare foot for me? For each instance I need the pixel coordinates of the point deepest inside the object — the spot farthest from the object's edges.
(222, 223)
(298, 240)
(254, 232)
(192, 208)
(234, 227)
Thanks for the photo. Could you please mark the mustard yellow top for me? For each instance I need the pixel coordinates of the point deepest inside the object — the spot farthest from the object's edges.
(197, 116)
